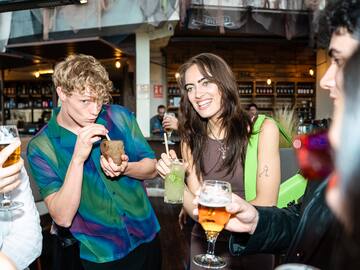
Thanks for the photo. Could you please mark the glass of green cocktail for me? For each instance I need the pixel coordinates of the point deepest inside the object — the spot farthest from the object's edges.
(174, 182)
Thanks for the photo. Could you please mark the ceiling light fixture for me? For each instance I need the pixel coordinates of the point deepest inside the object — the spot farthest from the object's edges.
(311, 72)
(117, 64)
(43, 72)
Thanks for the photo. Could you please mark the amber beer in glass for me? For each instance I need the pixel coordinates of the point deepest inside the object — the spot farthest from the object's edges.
(213, 218)
(213, 198)
(13, 158)
(9, 134)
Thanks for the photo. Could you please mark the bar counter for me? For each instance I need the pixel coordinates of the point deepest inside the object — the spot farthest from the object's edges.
(157, 144)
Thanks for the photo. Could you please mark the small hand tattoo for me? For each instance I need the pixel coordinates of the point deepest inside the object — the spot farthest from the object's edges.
(265, 172)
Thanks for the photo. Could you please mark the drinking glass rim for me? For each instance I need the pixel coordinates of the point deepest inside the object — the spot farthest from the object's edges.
(177, 160)
(216, 181)
(8, 139)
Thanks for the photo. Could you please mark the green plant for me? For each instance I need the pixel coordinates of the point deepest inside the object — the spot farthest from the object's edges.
(288, 119)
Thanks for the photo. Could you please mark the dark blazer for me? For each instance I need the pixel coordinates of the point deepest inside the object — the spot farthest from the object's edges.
(307, 232)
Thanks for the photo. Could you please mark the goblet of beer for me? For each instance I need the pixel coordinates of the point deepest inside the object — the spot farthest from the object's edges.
(214, 196)
(9, 134)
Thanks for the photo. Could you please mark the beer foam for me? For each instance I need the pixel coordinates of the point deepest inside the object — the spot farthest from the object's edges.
(8, 136)
(214, 200)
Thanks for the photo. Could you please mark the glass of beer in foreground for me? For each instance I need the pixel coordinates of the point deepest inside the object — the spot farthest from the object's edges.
(9, 134)
(213, 198)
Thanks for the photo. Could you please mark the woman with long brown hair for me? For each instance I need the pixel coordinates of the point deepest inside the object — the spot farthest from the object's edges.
(215, 132)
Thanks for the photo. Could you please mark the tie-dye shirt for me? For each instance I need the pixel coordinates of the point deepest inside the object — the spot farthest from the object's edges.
(115, 215)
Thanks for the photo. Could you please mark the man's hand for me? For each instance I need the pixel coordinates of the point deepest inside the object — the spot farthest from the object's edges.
(244, 216)
(10, 176)
(170, 122)
(86, 137)
(111, 169)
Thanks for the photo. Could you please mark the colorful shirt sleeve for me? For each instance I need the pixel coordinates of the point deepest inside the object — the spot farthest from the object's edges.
(143, 149)
(136, 145)
(43, 163)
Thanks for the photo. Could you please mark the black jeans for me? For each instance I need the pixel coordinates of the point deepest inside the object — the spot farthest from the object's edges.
(145, 257)
(65, 254)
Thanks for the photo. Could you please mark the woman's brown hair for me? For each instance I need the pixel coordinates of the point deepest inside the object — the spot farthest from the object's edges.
(234, 120)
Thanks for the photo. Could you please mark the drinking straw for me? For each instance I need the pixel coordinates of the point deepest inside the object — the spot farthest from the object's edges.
(107, 137)
(166, 144)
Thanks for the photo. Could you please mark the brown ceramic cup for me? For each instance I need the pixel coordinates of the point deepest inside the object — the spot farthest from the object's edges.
(113, 149)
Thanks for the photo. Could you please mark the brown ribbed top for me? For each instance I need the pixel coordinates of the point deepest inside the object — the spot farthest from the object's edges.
(213, 162)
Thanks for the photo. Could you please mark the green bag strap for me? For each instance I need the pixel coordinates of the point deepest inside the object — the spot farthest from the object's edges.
(251, 158)
(250, 167)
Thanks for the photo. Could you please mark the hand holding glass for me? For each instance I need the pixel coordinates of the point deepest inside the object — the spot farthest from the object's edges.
(169, 130)
(213, 198)
(9, 134)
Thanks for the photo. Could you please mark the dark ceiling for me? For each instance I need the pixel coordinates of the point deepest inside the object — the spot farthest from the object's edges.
(12, 5)
(8, 60)
(58, 49)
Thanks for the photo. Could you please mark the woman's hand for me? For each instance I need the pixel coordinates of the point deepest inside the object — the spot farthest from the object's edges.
(163, 164)
(182, 218)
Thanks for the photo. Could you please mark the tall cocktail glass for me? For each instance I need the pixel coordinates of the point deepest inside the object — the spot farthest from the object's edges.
(174, 182)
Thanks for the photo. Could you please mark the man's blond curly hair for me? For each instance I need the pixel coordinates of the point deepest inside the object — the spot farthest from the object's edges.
(78, 72)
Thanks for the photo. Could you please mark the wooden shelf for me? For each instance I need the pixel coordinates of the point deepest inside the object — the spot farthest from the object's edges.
(263, 95)
(267, 102)
(29, 96)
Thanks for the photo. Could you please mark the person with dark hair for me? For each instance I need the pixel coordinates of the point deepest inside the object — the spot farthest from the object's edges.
(307, 232)
(104, 205)
(343, 194)
(156, 122)
(253, 111)
(214, 132)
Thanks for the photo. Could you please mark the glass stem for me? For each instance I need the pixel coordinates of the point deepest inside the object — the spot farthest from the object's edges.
(211, 245)
(6, 196)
